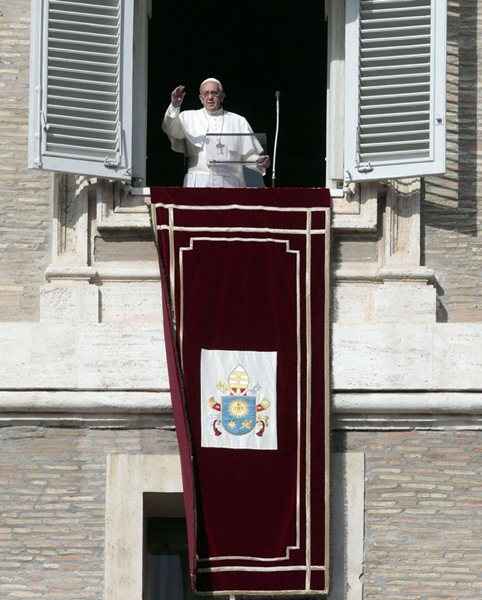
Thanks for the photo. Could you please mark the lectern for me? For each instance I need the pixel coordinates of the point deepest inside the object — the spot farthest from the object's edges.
(234, 148)
(232, 157)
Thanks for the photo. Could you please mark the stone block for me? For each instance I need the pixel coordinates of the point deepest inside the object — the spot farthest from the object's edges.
(457, 355)
(10, 301)
(353, 302)
(134, 303)
(382, 356)
(404, 302)
(68, 302)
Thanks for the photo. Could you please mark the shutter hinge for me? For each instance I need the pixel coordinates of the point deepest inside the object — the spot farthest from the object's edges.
(43, 118)
(111, 163)
(364, 167)
(361, 167)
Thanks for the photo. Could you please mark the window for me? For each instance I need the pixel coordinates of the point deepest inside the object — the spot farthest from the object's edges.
(137, 487)
(255, 48)
(144, 489)
(88, 92)
(165, 561)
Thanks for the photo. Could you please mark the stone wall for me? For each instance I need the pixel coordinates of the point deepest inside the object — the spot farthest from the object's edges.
(452, 209)
(52, 507)
(24, 195)
(423, 518)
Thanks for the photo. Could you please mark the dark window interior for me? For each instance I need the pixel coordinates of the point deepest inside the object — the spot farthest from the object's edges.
(166, 567)
(254, 48)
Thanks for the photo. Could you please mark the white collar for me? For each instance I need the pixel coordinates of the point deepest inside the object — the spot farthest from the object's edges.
(216, 113)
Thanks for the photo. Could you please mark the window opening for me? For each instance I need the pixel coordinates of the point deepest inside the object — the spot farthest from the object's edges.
(166, 571)
(166, 561)
(255, 49)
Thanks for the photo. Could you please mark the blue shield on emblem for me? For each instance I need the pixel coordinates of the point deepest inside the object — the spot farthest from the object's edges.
(238, 414)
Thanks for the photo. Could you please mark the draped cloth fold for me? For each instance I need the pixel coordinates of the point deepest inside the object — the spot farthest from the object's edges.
(245, 288)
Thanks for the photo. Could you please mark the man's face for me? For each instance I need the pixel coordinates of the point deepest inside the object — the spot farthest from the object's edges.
(211, 96)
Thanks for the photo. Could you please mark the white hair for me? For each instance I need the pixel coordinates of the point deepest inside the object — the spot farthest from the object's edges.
(212, 80)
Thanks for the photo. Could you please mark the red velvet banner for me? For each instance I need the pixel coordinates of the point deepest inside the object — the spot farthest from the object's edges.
(245, 292)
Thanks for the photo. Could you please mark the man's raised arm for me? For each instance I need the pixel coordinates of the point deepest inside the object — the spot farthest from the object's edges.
(172, 124)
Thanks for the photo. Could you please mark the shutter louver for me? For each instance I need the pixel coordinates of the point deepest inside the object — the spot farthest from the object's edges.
(394, 80)
(399, 113)
(84, 110)
(83, 79)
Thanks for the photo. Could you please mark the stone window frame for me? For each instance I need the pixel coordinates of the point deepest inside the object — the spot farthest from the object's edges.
(130, 476)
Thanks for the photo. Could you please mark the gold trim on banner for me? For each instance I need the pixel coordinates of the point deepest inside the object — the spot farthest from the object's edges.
(241, 230)
(308, 398)
(298, 330)
(327, 373)
(262, 569)
(327, 409)
(241, 207)
(172, 264)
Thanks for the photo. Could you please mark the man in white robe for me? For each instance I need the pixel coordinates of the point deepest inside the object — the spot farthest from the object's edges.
(192, 131)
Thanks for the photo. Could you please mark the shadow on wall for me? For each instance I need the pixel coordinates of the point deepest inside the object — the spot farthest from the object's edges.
(450, 199)
(451, 245)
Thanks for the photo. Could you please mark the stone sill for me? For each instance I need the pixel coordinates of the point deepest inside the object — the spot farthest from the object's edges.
(141, 271)
(107, 271)
(347, 215)
(371, 273)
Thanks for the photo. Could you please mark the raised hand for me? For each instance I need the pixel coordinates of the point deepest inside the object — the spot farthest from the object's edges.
(177, 95)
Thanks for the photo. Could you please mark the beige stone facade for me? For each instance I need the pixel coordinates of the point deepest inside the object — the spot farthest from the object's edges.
(83, 376)
(422, 517)
(452, 212)
(26, 213)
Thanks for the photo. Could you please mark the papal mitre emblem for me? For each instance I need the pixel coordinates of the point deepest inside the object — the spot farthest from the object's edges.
(238, 381)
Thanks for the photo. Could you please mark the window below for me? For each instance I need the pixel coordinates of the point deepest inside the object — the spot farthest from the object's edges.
(166, 562)
(165, 548)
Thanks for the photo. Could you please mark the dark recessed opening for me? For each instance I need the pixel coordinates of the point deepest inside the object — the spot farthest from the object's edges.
(165, 548)
(255, 48)
(166, 562)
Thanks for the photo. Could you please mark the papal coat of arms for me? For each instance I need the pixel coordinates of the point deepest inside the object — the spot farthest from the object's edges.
(240, 409)
(238, 399)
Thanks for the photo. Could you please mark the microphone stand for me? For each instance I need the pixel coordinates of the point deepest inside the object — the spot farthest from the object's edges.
(275, 149)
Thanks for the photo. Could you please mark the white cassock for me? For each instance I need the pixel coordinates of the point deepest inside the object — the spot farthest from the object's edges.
(187, 133)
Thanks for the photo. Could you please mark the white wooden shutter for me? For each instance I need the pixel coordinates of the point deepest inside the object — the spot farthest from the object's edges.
(81, 87)
(395, 72)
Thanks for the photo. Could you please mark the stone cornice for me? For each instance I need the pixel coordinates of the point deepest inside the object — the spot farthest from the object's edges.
(159, 402)
(355, 272)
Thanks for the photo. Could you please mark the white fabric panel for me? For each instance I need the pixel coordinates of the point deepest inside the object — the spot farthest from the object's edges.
(238, 399)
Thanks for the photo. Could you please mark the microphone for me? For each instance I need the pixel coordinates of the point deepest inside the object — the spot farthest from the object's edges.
(275, 149)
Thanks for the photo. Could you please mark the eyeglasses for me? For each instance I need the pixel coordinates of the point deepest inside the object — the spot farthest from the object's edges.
(210, 93)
